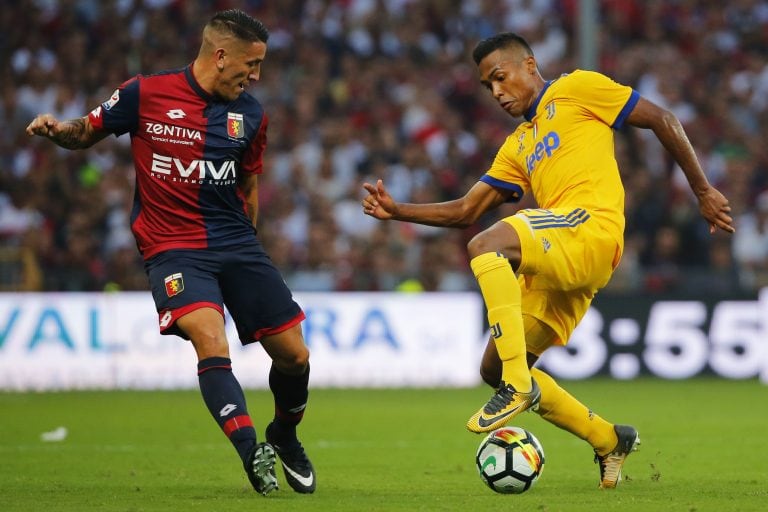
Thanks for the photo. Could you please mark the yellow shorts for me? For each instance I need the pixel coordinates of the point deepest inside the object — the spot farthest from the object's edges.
(567, 256)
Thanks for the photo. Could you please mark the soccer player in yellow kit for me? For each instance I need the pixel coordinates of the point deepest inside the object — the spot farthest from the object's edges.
(564, 251)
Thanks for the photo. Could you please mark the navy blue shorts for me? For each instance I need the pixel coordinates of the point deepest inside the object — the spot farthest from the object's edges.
(242, 278)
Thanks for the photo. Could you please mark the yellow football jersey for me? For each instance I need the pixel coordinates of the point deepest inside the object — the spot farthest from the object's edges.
(563, 153)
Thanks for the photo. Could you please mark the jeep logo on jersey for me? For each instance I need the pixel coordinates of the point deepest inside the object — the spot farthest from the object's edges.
(235, 125)
(205, 168)
(543, 149)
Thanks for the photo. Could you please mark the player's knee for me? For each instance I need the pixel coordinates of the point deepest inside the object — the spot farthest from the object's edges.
(499, 238)
(210, 345)
(294, 362)
(481, 243)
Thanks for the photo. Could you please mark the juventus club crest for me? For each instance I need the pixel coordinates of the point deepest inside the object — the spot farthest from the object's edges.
(235, 127)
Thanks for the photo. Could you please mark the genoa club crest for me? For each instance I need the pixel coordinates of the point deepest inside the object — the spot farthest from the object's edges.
(235, 127)
(174, 284)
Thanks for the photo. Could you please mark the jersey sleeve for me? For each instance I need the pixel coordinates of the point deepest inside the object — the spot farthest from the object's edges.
(120, 113)
(505, 174)
(252, 158)
(606, 99)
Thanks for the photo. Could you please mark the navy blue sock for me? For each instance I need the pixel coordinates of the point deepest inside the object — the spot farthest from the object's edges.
(226, 402)
(291, 393)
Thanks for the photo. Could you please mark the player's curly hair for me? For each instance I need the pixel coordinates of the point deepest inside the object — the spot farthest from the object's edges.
(497, 42)
(239, 24)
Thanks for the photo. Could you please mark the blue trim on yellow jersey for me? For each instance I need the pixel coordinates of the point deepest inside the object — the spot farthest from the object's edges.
(532, 111)
(550, 220)
(628, 108)
(517, 190)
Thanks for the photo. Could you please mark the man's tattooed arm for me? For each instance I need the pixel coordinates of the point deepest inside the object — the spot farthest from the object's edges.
(70, 134)
(73, 134)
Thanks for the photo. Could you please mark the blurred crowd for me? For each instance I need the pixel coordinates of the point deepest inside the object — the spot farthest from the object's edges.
(363, 89)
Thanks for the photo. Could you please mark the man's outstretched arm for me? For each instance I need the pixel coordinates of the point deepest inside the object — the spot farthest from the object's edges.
(76, 133)
(457, 213)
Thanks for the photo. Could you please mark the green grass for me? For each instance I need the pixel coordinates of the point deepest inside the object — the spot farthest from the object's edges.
(703, 449)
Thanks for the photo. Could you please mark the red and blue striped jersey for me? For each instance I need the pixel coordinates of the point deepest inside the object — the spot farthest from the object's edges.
(190, 149)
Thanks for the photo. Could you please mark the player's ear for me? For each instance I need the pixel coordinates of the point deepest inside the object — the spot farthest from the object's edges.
(530, 64)
(219, 55)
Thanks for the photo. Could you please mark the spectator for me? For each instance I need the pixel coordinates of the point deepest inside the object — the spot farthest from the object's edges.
(378, 84)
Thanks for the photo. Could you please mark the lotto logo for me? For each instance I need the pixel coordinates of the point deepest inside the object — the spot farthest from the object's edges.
(176, 113)
(227, 409)
(165, 320)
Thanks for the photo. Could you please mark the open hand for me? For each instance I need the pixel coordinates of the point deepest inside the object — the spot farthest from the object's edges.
(378, 203)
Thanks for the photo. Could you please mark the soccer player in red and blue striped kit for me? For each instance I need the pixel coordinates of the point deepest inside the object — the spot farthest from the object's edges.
(197, 140)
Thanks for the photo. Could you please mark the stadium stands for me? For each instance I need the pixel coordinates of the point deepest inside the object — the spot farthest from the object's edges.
(357, 89)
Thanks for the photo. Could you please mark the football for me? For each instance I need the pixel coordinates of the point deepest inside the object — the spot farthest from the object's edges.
(510, 460)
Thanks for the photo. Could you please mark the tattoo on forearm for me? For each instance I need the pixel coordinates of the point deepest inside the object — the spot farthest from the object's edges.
(75, 136)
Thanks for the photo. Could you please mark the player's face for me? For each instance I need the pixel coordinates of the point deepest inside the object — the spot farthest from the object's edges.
(241, 66)
(511, 77)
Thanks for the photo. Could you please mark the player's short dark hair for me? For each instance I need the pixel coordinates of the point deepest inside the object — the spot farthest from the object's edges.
(498, 42)
(239, 24)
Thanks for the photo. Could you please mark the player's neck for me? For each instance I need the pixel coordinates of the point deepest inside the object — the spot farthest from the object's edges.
(204, 75)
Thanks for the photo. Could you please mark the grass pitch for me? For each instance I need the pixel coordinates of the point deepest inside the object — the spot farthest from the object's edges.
(703, 449)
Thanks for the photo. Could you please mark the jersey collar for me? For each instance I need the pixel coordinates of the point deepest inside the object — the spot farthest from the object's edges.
(532, 111)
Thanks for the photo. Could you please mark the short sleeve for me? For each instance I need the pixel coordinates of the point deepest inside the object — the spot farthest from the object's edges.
(505, 173)
(120, 113)
(606, 99)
